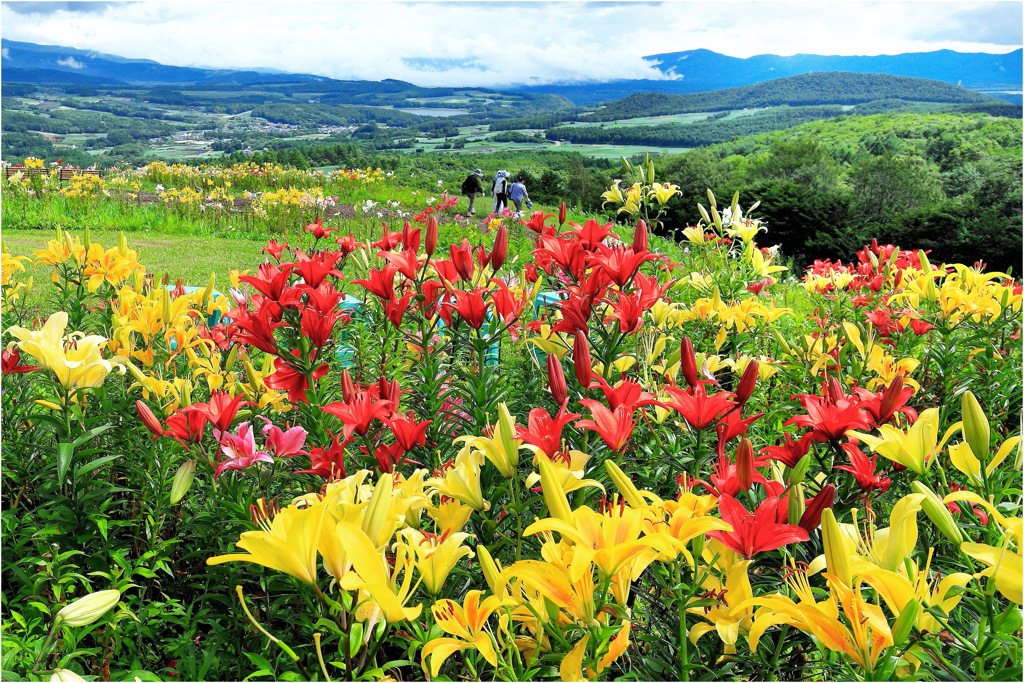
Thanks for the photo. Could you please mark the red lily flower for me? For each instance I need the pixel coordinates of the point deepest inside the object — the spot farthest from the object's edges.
(408, 431)
(955, 509)
(410, 237)
(12, 362)
(324, 298)
(791, 452)
(628, 312)
(462, 259)
(287, 378)
(472, 307)
(387, 457)
(396, 309)
(269, 280)
(732, 425)
(697, 408)
(389, 240)
(317, 229)
(358, 413)
(186, 427)
(381, 282)
(725, 479)
(885, 404)
(619, 263)
(505, 303)
(628, 393)
(536, 223)
(811, 519)
(544, 431)
(328, 462)
(316, 268)
(347, 244)
(649, 289)
(576, 312)
(568, 253)
(756, 532)
(317, 327)
(863, 470)
(829, 418)
(220, 411)
(592, 234)
(274, 249)
(921, 327)
(405, 261)
(256, 330)
(615, 427)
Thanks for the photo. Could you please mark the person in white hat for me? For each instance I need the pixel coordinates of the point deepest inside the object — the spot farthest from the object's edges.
(500, 191)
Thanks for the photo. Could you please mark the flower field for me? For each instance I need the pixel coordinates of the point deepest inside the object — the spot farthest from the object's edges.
(405, 449)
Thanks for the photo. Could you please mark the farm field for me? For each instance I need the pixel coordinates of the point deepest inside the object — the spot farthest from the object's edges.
(384, 441)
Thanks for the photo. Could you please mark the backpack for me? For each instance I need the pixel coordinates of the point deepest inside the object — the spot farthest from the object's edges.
(468, 186)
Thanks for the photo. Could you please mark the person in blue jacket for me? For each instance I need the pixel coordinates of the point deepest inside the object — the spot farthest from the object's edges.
(518, 195)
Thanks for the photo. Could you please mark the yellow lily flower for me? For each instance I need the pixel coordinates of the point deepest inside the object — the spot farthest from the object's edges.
(287, 543)
(1005, 565)
(914, 448)
(897, 590)
(468, 622)
(462, 481)
(370, 574)
(434, 556)
(614, 195)
(663, 192)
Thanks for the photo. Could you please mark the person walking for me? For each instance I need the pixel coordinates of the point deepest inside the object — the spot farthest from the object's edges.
(500, 191)
(471, 187)
(518, 195)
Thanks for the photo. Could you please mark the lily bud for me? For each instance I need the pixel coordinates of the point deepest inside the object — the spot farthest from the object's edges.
(554, 496)
(348, 387)
(640, 237)
(835, 390)
(491, 569)
(556, 379)
(229, 362)
(811, 518)
(905, 622)
(938, 513)
(889, 399)
(208, 292)
(500, 248)
(186, 392)
(88, 609)
(795, 504)
(182, 481)
(122, 243)
(28, 285)
(797, 474)
(507, 428)
(430, 241)
(377, 509)
(688, 362)
(745, 464)
(65, 676)
(561, 215)
(149, 419)
(581, 362)
(976, 427)
(747, 382)
(837, 558)
(166, 307)
(87, 239)
(624, 484)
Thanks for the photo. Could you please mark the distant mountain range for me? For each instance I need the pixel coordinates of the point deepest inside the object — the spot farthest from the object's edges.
(691, 71)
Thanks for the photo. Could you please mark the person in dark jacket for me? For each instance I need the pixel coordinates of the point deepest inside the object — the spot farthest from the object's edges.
(471, 187)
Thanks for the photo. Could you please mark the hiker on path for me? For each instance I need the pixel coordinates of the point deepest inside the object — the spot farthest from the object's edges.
(471, 187)
(500, 191)
(518, 195)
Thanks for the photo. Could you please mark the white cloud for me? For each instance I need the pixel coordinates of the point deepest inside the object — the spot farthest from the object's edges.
(5, 53)
(492, 43)
(71, 62)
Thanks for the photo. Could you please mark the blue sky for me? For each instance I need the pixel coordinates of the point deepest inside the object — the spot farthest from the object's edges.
(506, 42)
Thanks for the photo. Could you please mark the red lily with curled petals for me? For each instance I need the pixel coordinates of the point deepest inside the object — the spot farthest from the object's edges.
(328, 462)
(405, 261)
(536, 223)
(317, 229)
(358, 413)
(324, 298)
(396, 309)
(256, 329)
(628, 312)
(12, 362)
(863, 470)
(620, 264)
(544, 431)
(269, 280)
(732, 425)
(316, 268)
(220, 410)
(408, 432)
(287, 378)
(389, 240)
(615, 427)
(576, 312)
(569, 254)
(318, 327)
(472, 307)
(381, 282)
(592, 234)
(791, 452)
(756, 532)
(697, 408)
(274, 249)
(887, 403)
(186, 427)
(505, 302)
(649, 289)
(410, 237)
(830, 418)
(462, 259)
(628, 393)
(725, 481)
(348, 244)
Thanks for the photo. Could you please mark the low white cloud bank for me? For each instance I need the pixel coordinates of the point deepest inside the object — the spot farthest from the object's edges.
(71, 62)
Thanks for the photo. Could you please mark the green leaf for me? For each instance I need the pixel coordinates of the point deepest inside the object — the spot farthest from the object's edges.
(95, 464)
(65, 451)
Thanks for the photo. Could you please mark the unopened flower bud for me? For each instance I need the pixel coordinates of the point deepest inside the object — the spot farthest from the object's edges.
(688, 362)
(348, 387)
(747, 382)
(556, 379)
(745, 464)
(835, 390)
(640, 237)
(65, 676)
(889, 399)
(430, 241)
(377, 509)
(905, 622)
(561, 215)
(148, 418)
(811, 518)
(938, 513)
(581, 363)
(797, 474)
(88, 609)
(837, 558)
(795, 504)
(500, 248)
(976, 428)
(182, 481)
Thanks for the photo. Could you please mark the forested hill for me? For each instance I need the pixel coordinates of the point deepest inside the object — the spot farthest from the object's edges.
(836, 87)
